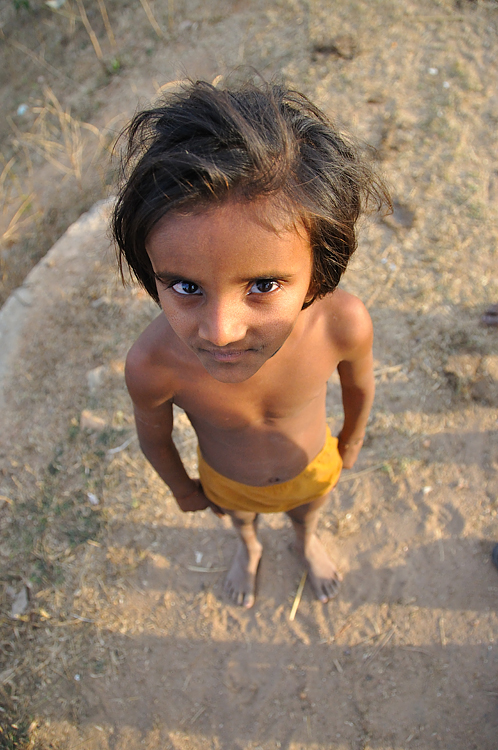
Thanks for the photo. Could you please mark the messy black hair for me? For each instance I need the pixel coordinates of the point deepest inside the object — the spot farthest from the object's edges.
(204, 145)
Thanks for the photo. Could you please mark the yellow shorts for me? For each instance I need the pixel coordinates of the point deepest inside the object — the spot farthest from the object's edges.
(316, 480)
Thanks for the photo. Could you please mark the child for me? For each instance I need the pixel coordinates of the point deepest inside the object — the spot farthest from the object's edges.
(237, 215)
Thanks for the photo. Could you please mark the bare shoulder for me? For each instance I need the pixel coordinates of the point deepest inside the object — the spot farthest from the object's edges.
(348, 323)
(150, 366)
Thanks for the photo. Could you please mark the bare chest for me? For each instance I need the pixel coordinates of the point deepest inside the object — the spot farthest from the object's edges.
(277, 395)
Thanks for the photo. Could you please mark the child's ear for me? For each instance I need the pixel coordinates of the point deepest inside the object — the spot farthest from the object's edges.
(310, 297)
(312, 292)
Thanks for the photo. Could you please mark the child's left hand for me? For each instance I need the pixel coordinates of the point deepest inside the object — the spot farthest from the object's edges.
(197, 500)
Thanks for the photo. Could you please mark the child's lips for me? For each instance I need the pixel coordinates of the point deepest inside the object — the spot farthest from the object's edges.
(226, 355)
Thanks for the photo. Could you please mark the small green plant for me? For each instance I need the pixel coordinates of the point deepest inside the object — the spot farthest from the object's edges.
(14, 735)
(18, 4)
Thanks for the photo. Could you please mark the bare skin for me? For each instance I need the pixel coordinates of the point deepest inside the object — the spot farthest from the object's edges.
(322, 573)
(240, 583)
(234, 348)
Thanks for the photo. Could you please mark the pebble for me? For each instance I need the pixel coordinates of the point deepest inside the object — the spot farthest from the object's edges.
(90, 421)
(95, 378)
(20, 603)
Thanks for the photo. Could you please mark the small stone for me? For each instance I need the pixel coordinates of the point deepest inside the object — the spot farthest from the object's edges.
(344, 46)
(90, 421)
(117, 366)
(100, 301)
(95, 378)
(20, 603)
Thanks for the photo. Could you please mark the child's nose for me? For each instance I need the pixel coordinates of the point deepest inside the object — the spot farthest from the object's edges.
(222, 323)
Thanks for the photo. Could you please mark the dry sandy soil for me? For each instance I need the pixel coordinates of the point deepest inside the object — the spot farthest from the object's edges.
(122, 638)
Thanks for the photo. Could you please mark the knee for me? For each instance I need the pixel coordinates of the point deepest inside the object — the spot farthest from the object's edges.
(243, 520)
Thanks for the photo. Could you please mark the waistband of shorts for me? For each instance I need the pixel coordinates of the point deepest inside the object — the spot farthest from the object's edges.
(316, 480)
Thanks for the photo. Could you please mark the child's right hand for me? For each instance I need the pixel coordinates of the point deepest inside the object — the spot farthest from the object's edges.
(197, 500)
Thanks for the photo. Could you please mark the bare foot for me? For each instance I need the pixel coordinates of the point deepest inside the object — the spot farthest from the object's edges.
(322, 573)
(240, 583)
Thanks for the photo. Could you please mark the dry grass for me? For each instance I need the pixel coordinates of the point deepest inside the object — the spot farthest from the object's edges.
(59, 138)
(76, 150)
(50, 133)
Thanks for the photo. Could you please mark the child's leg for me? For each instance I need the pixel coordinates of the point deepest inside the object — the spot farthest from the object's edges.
(240, 582)
(322, 573)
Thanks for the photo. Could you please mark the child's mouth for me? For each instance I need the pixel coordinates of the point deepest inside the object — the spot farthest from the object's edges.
(229, 355)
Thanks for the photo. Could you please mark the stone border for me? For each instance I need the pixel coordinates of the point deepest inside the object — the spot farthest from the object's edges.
(60, 271)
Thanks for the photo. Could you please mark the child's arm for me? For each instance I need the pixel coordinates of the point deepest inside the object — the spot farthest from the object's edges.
(357, 381)
(154, 422)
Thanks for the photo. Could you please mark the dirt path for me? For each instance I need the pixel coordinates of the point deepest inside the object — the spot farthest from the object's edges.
(126, 641)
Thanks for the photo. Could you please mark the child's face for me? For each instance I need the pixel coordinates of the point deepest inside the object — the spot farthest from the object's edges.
(231, 286)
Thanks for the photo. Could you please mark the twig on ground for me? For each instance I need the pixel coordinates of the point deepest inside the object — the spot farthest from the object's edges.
(441, 632)
(90, 31)
(386, 370)
(119, 448)
(197, 714)
(297, 598)
(108, 27)
(417, 650)
(152, 20)
(381, 645)
(348, 477)
(341, 631)
(37, 59)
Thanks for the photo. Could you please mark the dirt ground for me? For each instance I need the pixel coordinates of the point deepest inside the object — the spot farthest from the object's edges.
(113, 627)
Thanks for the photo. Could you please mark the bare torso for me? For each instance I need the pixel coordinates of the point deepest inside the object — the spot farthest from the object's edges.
(268, 428)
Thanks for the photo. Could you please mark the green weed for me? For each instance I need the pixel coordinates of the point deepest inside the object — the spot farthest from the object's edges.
(14, 735)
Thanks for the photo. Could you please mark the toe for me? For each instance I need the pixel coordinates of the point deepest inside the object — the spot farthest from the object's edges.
(248, 600)
(332, 589)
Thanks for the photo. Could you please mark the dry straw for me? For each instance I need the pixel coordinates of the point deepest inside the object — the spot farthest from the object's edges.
(58, 137)
(90, 31)
(297, 598)
(152, 20)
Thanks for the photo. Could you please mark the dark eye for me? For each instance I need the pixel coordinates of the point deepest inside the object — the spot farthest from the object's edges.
(186, 287)
(263, 286)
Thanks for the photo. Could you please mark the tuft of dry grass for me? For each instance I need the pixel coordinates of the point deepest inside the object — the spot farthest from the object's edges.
(76, 149)
(58, 137)
(18, 203)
